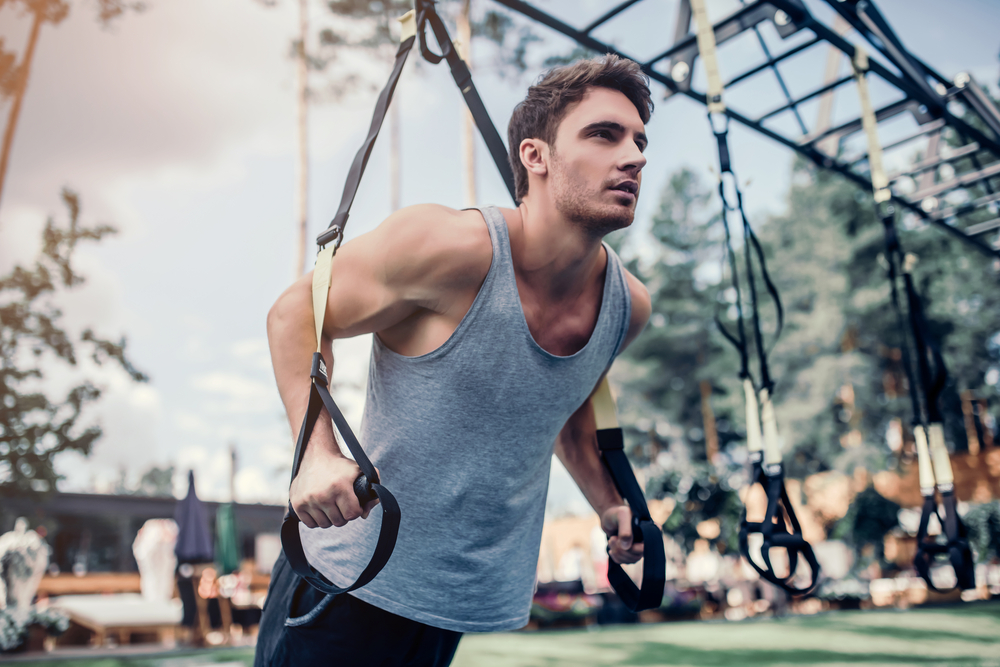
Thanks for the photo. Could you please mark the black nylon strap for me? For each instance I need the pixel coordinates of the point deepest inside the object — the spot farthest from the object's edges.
(291, 542)
(957, 547)
(463, 79)
(926, 384)
(650, 594)
(336, 228)
(894, 257)
(780, 528)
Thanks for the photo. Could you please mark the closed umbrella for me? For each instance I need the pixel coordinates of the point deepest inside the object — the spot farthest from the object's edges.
(227, 553)
(194, 545)
(194, 540)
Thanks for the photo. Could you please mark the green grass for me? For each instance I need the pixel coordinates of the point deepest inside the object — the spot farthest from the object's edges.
(961, 636)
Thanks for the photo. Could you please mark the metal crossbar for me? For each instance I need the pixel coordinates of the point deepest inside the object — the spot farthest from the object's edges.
(919, 94)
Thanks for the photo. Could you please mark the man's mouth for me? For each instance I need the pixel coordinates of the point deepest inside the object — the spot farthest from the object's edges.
(628, 187)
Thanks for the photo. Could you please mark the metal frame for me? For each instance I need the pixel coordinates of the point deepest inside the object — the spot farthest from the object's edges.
(924, 94)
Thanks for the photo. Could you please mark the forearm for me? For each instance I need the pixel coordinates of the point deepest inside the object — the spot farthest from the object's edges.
(292, 342)
(577, 449)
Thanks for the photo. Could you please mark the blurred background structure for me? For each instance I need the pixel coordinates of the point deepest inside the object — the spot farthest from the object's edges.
(140, 172)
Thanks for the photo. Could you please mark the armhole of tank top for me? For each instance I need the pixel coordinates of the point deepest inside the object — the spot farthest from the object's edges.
(466, 320)
(627, 298)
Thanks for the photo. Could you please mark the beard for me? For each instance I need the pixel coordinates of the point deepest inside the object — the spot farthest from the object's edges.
(583, 205)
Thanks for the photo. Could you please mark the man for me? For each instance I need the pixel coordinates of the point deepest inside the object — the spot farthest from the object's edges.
(492, 328)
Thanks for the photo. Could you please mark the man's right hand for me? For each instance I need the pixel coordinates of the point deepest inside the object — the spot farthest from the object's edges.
(322, 494)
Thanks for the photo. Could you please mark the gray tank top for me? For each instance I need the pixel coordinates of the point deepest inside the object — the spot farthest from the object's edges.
(463, 437)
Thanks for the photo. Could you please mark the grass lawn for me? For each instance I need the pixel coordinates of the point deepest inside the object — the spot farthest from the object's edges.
(960, 636)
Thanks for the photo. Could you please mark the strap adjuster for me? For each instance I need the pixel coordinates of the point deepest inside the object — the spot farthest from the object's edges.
(318, 371)
(610, 439)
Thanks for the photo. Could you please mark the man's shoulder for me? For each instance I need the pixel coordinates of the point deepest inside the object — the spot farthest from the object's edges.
(453, 245)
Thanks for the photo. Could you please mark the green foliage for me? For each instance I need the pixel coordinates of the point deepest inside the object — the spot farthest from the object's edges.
(867, 521)
(837, 364)
(156, 482)
(701, 497)
(34, 427)
(665, 368)
(681, 347)
(983, 522)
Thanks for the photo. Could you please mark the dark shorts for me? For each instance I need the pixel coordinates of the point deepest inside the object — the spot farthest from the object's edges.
(303, 627)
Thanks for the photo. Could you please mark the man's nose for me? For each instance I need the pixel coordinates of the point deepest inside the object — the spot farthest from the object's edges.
(633, 160)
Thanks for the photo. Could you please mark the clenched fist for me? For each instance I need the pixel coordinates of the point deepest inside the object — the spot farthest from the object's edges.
(322, 494)
(616, 522)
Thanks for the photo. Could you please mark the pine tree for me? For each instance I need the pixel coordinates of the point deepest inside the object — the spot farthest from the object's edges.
(36, 428)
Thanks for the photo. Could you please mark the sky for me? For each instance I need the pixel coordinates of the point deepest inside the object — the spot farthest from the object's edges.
(177, 125)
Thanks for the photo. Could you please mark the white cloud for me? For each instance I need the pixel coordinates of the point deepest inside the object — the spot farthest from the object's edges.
(235, 393)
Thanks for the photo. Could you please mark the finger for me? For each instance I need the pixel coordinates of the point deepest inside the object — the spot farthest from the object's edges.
(304, 517)
(322, 518)
(369, 507)
(624, 515)
(624, 556)
(313, 518)
(348, 506)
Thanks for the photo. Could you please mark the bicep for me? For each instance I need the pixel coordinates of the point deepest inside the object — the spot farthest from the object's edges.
(378, 279)
(361, 300)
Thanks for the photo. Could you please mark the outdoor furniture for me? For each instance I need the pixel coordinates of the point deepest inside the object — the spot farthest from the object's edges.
(121, 615)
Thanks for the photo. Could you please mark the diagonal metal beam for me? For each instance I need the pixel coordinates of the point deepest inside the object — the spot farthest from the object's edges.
(798, 18)
(609, 15)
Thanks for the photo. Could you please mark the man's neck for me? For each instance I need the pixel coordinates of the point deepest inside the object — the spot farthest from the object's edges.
(554, 257)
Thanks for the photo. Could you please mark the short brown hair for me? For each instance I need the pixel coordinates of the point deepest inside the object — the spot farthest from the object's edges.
(539, 114)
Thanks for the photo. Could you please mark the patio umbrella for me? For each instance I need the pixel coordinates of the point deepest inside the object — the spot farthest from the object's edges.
(227, 552)
(194, 541)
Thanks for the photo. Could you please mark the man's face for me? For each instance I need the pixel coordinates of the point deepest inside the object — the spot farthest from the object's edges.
(596, 161)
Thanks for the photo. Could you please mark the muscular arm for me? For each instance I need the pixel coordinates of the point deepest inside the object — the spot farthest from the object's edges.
(577, 449)
(415, 265)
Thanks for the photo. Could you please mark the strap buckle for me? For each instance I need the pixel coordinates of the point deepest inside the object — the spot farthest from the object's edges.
(318, 372)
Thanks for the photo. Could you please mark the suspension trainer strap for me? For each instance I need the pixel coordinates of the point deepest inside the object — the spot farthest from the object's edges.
(366, 486)
(780, 527)
(933, 462)
(463, 79)
(611, 444)
(335, 232)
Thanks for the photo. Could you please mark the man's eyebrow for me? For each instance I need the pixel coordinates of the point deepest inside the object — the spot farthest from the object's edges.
(616, 127)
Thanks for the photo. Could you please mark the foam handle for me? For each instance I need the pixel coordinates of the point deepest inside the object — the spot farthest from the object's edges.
(772, 448)
(363, 490)
(754, 441)
(924, 461)
(939, 455)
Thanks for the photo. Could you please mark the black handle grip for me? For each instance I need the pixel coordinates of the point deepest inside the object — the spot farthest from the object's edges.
(363, 490)
(636, 530)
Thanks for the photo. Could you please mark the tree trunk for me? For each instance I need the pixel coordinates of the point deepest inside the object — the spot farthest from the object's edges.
(395, 150)
(469, 125)
(968, 412)
(302, 191)
(15, 109)
(708, 418)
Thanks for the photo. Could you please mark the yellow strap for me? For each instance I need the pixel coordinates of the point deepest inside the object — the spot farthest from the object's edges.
(880, 183)
(772, 443)
(939, 456)
(604, 406)
(923, 461)
(754, 441)
(321, 289)
(409, 25)
(706, 47)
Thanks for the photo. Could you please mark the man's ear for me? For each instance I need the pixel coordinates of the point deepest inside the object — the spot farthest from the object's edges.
(535, 156)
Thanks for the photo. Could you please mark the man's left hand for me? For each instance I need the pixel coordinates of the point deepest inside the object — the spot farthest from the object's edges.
(616, 522)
